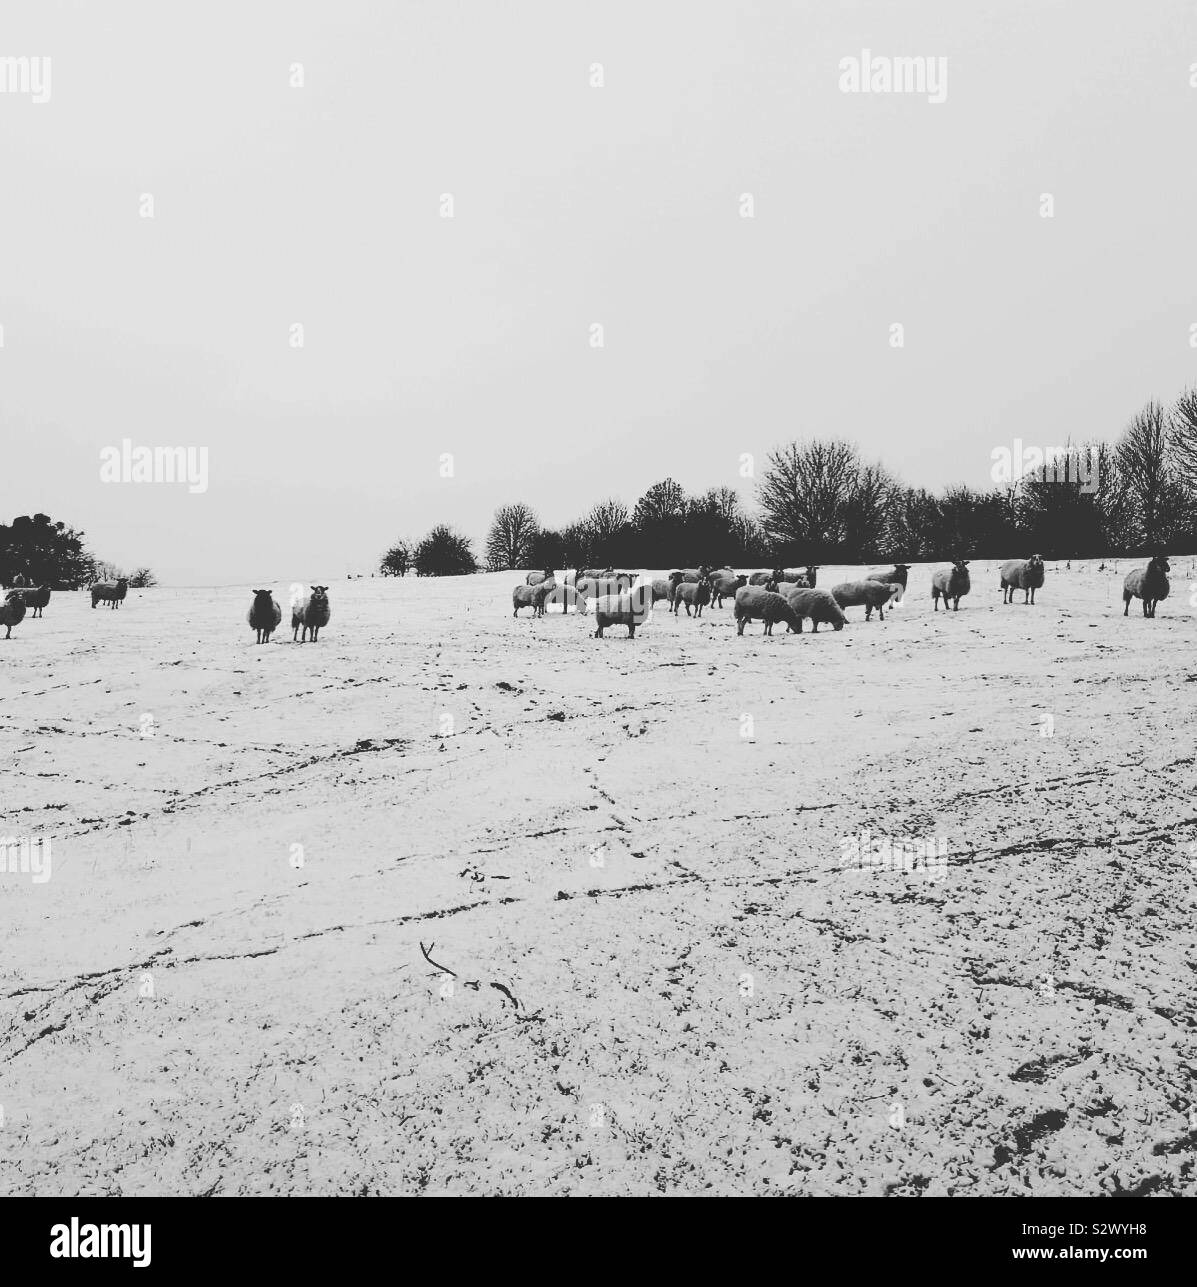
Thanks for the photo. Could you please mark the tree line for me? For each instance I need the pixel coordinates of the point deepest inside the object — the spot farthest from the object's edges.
(819, 501)
(43, 552)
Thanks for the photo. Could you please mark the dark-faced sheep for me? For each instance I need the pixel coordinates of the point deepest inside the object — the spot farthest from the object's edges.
(36, 599)
(12, 611)
(866, 594)
(725, 585)
(820, 606)
(110, 592)
(692, 594)
(311, 612)
(631, 609)
(1022, 574)
(264, 616)
(950, 584)
(896, 575)
(1149, 584)
(754, 603)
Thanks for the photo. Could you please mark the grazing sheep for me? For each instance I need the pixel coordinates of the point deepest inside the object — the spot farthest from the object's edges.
(692, 594)
(950, 584)
(820, 606)
(593, 573)
(311, 612)
(1149, 584)
(524, 596)
(807, 578)
(113, 594)
(763, 578)
(12, 610)
(37, 598)
(755, 603)
(662, 590)
(630, 609)
(1022, 574)
(896, 575)
(537, 578)
(787, 587)
(866, 594)
(264, 616)
(724, 586)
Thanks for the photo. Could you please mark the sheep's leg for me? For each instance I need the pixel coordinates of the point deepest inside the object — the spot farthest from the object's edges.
(1125, 607)
(631, 630)
(881, 614)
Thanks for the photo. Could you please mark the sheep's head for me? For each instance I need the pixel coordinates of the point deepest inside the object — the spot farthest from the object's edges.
(961, 566)
(123, 583)
(741, 582)
(15, 596)
(903, 567)
(1161, 564)
(263, 598)
(319, 594)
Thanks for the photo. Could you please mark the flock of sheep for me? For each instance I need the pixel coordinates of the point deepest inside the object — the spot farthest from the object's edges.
(769, 597)
(790, 596)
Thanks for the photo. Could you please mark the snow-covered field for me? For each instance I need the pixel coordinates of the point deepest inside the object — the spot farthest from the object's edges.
(649, 845)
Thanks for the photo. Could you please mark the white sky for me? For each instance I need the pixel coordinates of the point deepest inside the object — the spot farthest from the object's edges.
(574, 205)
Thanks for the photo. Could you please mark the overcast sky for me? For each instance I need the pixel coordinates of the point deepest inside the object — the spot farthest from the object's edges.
(573, 205)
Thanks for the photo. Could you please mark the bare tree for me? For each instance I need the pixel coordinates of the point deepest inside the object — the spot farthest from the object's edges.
(1142, 456)
(512, 537)
(1183, 438)
(804, 492)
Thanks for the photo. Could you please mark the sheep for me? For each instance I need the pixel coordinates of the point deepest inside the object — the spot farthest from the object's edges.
(37, 598)
(562, 594)
(524, 596)
(699, 573)
(820, 606)
(662, 590)
(264, 616)
(590, 587)
(12, 611)
(896, 575)
(1022, 574)
(593, 573)
(1149, 584)
(110, 593)
(763, 578)
(692, 594)
(807, 578)
(950, 583)
(752, 602)
(786, 587)
(537, 578)
(725, 586)
(866, 594)
(311, 612)
(631, 609)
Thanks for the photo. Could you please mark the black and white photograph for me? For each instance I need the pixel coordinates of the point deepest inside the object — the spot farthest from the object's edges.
(599, 600)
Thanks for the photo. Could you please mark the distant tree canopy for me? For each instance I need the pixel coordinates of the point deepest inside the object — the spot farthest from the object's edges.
(143, 579)
(44, 553)
(444, 552)
(820, 501)
(512, 537)
(397, 560)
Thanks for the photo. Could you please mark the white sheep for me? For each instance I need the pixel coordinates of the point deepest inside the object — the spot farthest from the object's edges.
(866, 594)
(691, 594)
(950, 584)
(819, 605)
(1149, 584)
(311, 612)
(1022, 574)
(630, 609)
(755, 603)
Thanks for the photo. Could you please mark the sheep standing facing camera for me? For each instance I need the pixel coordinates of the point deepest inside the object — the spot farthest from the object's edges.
(311, 612)
(1149, 584)
(1022, 574)
(264, 616)
(950, 584)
